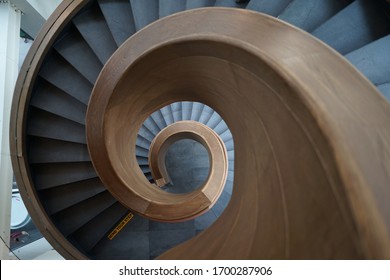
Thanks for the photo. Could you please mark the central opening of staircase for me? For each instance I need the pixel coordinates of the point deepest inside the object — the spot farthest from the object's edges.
(188, 166)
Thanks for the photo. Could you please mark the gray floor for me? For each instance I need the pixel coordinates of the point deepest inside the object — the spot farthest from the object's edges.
(188, 165)
(24, 235)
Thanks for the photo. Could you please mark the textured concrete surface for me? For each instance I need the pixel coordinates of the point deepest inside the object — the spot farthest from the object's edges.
(188, 165)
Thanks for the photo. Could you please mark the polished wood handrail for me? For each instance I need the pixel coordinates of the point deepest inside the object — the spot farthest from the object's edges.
(197, 131)
(124, 181)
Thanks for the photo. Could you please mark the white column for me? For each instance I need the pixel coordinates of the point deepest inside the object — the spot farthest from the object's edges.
(9, 56)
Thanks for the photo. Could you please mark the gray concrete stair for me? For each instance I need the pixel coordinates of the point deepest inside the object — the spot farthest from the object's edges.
(358, 24)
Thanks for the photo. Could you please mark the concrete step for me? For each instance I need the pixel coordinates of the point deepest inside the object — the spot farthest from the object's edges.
(353, 27)
(385, 89)
(373, 60)
(273, 8)
(169, 7)
(144, 12)
(191, 4)
(309, 14)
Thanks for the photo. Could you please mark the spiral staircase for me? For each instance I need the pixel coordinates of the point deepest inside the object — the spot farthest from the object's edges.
(61, 171)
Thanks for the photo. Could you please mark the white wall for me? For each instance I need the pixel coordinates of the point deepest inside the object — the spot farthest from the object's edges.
(44, 7)
(9, 59)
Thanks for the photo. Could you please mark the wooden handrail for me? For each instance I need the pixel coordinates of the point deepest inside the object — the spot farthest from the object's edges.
(215, 147)
(116, 167)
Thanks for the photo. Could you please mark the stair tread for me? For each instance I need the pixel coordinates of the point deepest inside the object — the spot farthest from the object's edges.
(186, 110)
(47, 125)
(151, 126)
(73, 218)
(385, 90)
(94, 29)
(158, 119)
(126, 245)
(144, 12)
(309, 14)
(373, 60)
(141, 142)
(59, 198)
(64, 76)
(99, 227)
(145, 169)
(191, 4)
(229, 3)
(176, 111)
(139, 151)
(146, 133)
(358, 24)
(161, 241)
(77, 52)
(204, 221)
(57, 174)
(119, 18)
(204, 117)
(51, 99)
(226, 136)
(168, 7)
(214, 120)
(228, 187)
(197, 109)
(167, 114)
(50, 150)
(142, 161)
(221, 127)
(273, 8)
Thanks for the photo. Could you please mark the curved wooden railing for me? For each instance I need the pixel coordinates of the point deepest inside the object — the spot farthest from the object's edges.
(311, 134)
(116, 167)
(200, 133)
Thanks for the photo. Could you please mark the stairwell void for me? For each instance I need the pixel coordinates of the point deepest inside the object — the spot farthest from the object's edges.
(188, 166)
(195, 162)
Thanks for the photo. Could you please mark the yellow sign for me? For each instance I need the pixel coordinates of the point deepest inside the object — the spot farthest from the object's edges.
(120, 226)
